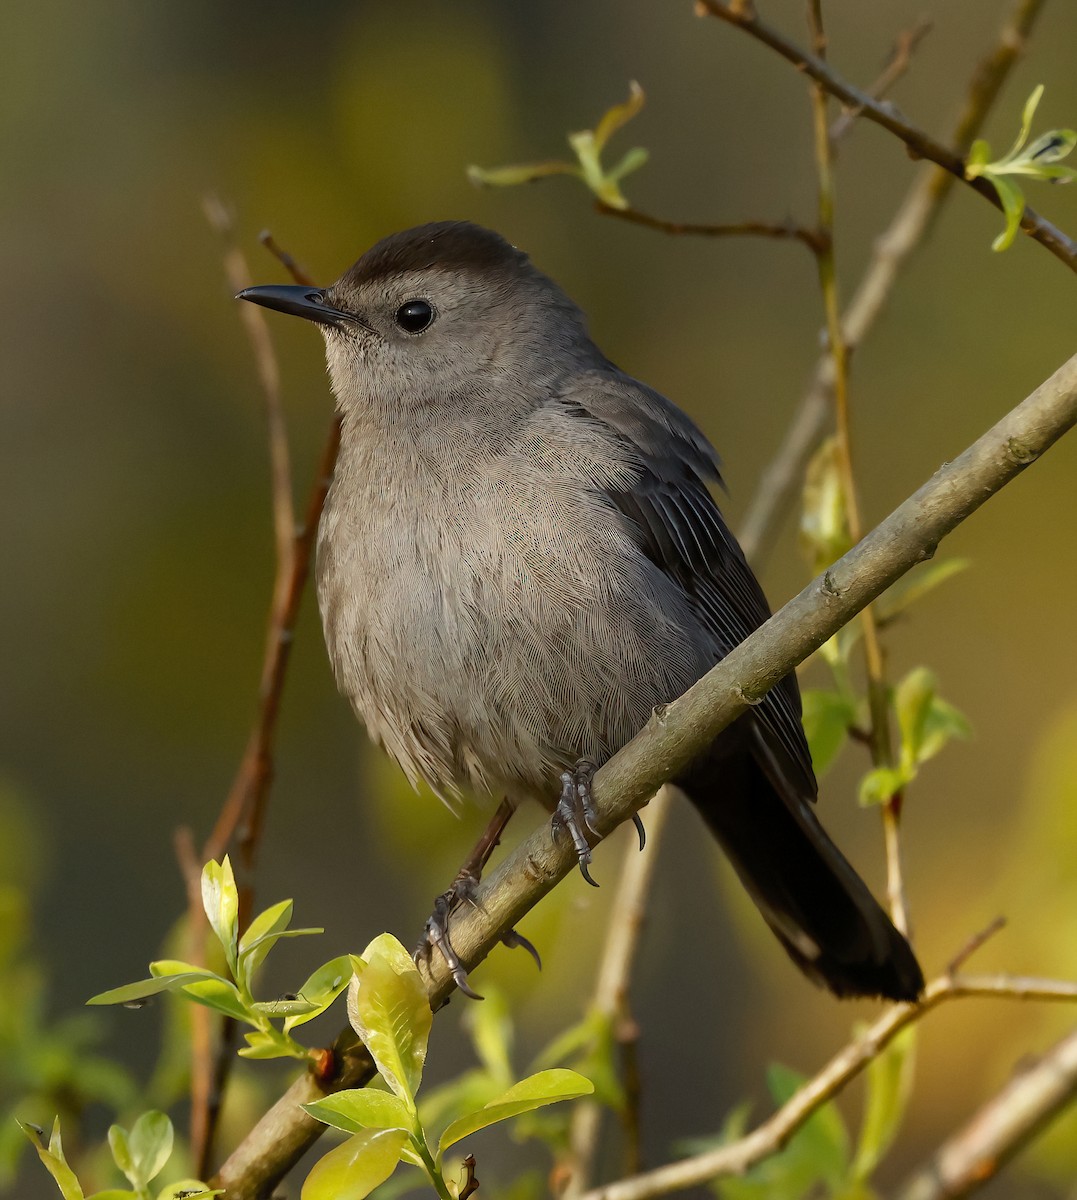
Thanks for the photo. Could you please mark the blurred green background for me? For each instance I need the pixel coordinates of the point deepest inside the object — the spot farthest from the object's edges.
(137, 547)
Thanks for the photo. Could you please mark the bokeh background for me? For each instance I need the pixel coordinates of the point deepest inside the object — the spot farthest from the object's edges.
(137, 547)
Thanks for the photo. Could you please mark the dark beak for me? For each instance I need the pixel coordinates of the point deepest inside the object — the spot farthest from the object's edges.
(298, 301)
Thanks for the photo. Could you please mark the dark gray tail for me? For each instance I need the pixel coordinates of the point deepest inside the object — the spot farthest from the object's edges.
(813, 900)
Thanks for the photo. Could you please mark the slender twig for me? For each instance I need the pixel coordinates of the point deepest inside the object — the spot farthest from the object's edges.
(681, 730)
(897, 65)
(627, 916)
(768, 1138)
(919, 143)
(973, 1156)
(243, 811)
(973, 944)
(882, 750)
(780, 482)
(784, 230)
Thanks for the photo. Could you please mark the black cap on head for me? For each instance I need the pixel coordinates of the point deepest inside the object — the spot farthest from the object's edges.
(442, 245)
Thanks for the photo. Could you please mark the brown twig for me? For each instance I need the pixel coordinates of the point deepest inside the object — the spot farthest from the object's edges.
(471, 1184)
(780, 482)
(785, 230)
(242, 813)
(882, 751)
(919, 143)
(897, 65)
(768, 1138)
(681, 730)
(973, 1155)
(973, 944)
(628, 914)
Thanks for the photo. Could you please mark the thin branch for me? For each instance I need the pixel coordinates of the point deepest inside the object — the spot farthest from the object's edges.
(265, 359)
(766, 1139)
(882, 750)
(780, 482)
(784, 230)
(680, 731)
(628, 914)
(973, 1155)
(243, 811)
(897, 65)
(881, 112)
(973, 944)
(244, 808)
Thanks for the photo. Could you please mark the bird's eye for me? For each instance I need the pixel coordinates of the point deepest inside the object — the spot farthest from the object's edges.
(415, 316)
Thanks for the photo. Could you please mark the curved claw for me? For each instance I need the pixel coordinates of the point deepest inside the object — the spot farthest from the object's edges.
(515, 940)
(584, 863)
(436, 934)
(637, 821)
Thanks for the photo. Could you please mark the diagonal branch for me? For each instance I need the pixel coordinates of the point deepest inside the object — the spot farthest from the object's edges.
(769, 1137)
(679, 731)
(919, 143)
(973, 1155)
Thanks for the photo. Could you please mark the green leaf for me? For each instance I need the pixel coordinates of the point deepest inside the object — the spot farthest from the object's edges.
(187, 1189)
(354, 1169)
(121, 1153)
(943, 723)
(255, 943)
(913, 698)
(1013, 208)
(116, 1194)
(52, 1156)
(828, 717)
(362, 1108)
(1027, 113)
(389, 1010)
(889, 1082)
(490, 1026)
(545, 1087)
(322, 988)
(150, 987)
(632, 161)
(220, 899)
(978, 157)
(220, 995)
(823, 1139)
(824, 521)
(267, 1045)
(618, 116)
(880, 785)
(1051, 147)
(150, 1146)
(517, 174)
(916, 584)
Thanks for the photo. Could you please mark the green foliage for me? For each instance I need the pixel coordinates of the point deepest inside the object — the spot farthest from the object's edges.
(141, 1153)
(388, 1008)
(817, 1162)
(232, 996)
(52, 1066)
(926, 723)
(587, 145)
(1040, 160)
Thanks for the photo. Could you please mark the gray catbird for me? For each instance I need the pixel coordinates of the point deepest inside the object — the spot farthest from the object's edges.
(520, 558)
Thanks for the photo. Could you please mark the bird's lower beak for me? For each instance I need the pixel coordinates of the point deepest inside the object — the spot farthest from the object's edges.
(296, 300)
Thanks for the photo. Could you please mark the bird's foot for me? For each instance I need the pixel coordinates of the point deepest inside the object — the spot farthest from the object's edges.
(436, 931)
(576, 814)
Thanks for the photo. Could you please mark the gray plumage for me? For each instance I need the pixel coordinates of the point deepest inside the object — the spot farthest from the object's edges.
(520, 558)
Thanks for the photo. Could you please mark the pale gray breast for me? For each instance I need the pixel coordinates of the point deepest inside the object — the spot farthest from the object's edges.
(492, 624)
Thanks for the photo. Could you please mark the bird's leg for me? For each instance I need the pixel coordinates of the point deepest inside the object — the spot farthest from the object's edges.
(462, 891)
(575, 813)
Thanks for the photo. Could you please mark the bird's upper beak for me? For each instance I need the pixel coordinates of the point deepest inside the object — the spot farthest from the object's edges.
(299, 301)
